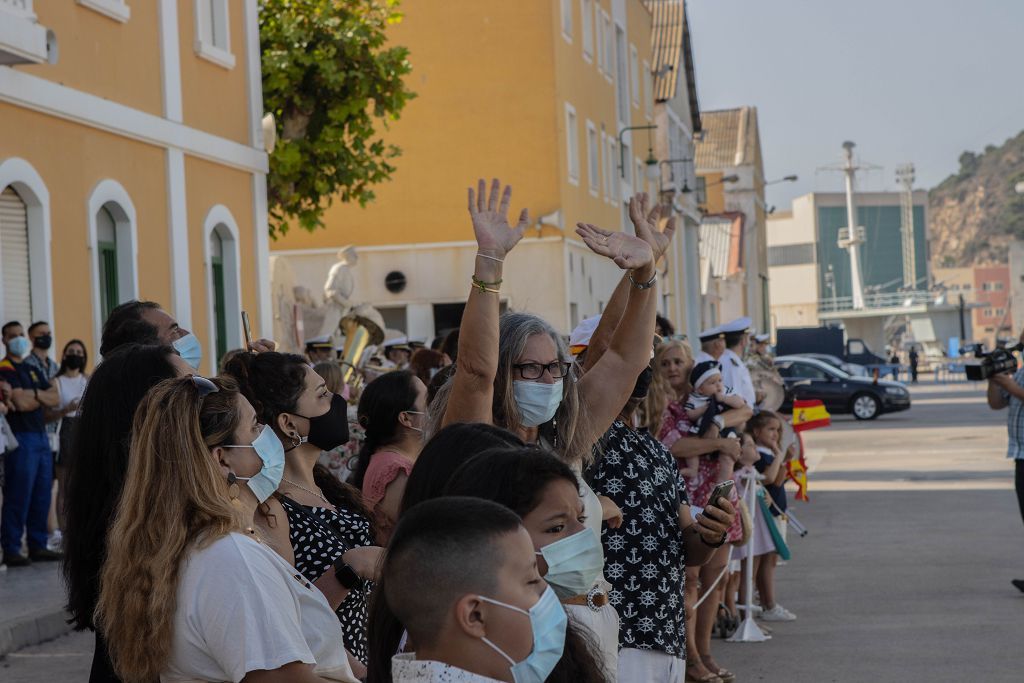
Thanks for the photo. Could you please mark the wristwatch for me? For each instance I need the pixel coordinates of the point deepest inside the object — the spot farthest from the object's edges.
(346, 576)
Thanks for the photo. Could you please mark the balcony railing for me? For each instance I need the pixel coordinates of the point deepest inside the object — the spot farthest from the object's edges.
(877, 300)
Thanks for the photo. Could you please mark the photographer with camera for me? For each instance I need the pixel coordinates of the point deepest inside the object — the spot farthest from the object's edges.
(1006, 389)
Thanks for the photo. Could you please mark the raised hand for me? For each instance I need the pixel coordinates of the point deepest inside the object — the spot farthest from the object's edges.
(645, 220)
(627, 251)
(494, 235)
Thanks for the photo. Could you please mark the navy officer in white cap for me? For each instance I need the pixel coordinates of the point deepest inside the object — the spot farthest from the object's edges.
(734, 370)
(320, 349)
(712, 344)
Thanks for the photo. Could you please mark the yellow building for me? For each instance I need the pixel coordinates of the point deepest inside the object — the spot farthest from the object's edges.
(132, 164)
(534, 92)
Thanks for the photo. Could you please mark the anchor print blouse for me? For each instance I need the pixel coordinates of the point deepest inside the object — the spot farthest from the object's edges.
(644, 558)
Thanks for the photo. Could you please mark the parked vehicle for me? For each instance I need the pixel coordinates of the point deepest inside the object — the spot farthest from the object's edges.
(809, 379)
(830, 341)
(855, 369)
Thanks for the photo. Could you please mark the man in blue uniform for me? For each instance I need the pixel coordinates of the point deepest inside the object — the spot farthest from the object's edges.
(29, 467)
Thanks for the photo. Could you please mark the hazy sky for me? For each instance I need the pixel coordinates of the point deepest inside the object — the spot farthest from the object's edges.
(907, 80)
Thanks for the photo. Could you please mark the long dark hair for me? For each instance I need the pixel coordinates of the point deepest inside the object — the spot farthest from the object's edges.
(273, 383)
(445, 452)
(85, 355)
(97, 472)
(514, 477)
(382, 401)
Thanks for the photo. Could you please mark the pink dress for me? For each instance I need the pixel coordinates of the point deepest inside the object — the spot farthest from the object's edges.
(676, 425)
(384, 468)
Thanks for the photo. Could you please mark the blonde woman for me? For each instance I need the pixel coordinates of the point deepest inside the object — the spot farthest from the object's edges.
(188, 591)
(666, 416)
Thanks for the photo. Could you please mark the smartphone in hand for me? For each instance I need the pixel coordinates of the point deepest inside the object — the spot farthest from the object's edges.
(722, 490)
(246, 330)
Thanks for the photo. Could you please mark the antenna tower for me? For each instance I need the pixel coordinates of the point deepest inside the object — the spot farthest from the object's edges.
(905, 177)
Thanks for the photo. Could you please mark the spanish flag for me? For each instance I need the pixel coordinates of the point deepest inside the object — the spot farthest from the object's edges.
(809, 415)
(797, 470)
(806, 415)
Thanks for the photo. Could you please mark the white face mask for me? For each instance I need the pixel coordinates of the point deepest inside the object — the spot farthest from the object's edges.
(415, 412)
(537, 402)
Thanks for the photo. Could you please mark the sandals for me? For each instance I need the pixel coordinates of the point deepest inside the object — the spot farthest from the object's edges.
(707, 678)
(723, 675)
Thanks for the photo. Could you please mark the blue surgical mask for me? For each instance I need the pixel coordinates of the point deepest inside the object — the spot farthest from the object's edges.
(190, 350)
(548, 622)
(537, 402)
(18, 347)
(271, 452)
(574, 563)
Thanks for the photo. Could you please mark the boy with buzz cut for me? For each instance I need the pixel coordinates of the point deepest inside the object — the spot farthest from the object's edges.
(460, 575)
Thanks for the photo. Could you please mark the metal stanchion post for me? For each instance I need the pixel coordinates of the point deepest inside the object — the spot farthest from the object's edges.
(749, 631)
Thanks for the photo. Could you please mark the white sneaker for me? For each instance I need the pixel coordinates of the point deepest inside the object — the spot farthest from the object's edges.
(55, 541)
(778, 613)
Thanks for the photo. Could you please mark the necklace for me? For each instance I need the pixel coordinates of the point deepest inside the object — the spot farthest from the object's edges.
(312, 493)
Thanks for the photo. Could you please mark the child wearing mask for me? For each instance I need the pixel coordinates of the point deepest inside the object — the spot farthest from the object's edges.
(487, 616)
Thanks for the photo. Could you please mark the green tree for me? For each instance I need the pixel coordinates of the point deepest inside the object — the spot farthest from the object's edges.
(331, 81)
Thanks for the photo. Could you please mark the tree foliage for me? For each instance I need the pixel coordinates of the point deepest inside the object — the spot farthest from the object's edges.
(331, 82)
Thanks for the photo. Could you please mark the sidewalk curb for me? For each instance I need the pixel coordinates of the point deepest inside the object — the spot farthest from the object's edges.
(32, 629)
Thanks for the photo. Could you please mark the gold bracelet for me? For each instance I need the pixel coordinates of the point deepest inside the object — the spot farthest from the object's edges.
(486, 286)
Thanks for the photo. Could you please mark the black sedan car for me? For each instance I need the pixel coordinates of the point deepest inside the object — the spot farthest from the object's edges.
(809, 379)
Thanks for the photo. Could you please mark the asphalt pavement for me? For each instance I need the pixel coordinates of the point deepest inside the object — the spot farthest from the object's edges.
(914, 535)
(904, 576)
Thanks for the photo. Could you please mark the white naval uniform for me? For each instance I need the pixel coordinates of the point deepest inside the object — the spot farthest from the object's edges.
(736, 376)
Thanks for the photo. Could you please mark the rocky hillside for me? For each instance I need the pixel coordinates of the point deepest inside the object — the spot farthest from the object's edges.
(975, 213)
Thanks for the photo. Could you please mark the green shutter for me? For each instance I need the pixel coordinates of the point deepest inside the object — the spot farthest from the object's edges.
(108, 277)
(219, 306)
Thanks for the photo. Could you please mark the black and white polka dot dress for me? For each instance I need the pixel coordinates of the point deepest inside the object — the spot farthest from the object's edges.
(317, 547)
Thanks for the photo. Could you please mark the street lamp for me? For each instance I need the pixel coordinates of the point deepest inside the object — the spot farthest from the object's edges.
(784, 179)
(686, 182)
(622, 151)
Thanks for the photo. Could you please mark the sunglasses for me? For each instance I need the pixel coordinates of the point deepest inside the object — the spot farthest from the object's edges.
(203, 386)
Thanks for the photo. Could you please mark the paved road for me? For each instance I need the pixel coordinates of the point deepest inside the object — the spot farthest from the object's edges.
(905, 575)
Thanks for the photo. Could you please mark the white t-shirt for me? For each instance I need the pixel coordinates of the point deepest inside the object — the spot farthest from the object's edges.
(71, 389)
(241, 609)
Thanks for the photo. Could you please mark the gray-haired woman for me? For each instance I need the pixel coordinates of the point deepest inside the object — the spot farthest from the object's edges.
(514, 373)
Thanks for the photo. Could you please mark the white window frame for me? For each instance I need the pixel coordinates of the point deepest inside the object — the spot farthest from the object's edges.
(587, 29)
(613, 170)
(565, 19)
(608, 45)
(26, 181)
(114, 9)
(639, 175)
(634, 77)
(593, 158)
(604, 165)
(220, 216)
(111, 195)
(648, 90)
(621, 72)
(572, 145)
(206, 43)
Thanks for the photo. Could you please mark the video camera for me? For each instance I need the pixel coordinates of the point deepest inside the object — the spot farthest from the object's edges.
(994, 362)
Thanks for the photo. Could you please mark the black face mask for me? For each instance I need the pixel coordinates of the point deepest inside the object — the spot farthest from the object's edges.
(330, 430)
(43, 342)
(74, 362)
